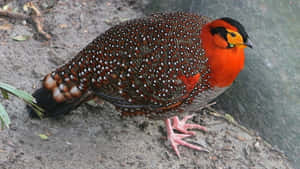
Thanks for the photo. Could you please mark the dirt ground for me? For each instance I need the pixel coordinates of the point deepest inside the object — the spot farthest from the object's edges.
(97, 137)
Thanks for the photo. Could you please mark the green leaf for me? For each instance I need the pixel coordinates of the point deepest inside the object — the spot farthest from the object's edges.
(5, 7)
(4, 93)
(21, 37)
(39, 111)
(229, 118)
(43, 136)
(28, 98)
(19, 93)
(4, 117)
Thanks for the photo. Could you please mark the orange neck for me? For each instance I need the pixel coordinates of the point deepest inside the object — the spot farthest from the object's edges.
(225, 64)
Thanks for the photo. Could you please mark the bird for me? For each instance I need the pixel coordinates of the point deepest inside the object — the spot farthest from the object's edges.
(152, 65)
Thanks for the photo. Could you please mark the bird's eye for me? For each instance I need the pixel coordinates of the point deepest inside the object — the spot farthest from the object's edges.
(232, 34)
(231, 45)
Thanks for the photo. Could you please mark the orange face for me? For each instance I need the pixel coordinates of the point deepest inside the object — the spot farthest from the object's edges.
(235, 39)
(230, 39)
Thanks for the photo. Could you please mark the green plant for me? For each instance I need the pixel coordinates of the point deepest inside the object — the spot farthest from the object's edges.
(26, 97)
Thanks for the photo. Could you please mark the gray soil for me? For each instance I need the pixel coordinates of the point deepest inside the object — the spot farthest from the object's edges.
(98, 137)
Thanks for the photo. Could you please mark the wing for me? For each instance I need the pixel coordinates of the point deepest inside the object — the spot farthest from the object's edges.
(147, 65)
(146, 60)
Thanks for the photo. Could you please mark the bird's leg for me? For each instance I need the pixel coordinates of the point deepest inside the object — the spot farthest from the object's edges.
(176, 139)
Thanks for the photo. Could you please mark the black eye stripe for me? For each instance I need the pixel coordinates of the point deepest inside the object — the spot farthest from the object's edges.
(220, 30)
(232, 34)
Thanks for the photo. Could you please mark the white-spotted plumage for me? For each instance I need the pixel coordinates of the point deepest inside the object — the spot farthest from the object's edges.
(142, 63)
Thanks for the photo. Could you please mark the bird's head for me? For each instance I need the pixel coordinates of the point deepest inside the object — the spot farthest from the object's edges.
(229, 33)
(224, 41)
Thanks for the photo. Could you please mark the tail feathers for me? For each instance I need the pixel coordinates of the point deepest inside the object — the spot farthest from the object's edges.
(45, 100)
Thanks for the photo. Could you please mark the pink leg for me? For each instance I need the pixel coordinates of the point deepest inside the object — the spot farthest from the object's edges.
(176, 139)
(182, 126)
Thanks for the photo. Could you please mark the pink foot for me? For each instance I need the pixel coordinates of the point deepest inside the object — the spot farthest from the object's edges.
(176, 139)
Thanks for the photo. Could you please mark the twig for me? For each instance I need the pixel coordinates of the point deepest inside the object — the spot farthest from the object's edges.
(34, 8)
(13, 15)
(35, 18)
(2, 151)
(210, 104)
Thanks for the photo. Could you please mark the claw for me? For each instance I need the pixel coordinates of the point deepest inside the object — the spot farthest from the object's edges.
(181, 125)
(176, 139)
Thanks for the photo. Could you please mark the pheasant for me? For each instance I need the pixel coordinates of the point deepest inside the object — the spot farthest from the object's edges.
(152, 66)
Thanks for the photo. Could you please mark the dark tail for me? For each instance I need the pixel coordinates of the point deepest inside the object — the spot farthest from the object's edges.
(52, 108)
(58, 98)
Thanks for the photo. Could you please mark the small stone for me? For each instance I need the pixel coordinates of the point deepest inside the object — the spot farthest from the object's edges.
(256, 146)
